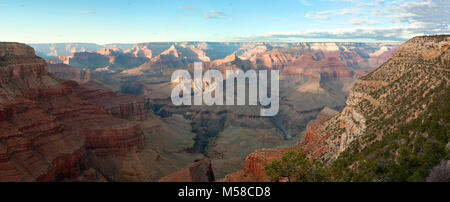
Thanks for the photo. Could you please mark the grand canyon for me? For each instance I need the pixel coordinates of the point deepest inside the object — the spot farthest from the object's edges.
(360, 90)
(103, 113)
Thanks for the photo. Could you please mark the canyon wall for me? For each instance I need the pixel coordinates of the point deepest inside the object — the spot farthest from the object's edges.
(46, 130)
(396, 93)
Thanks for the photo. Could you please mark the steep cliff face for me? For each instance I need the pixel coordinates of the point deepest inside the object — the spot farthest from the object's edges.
(63, 49)
(111, 59)
(314, 75)
(329, 68)
(118, 105)
(66, 72)
(254, 166)
(31, 148)
(353, 56)
(200, 171)
(254, 169)
(229, 59)
(395, 94)
(46, 130)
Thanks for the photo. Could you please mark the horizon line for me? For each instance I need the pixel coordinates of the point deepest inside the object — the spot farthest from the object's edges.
(103, 44)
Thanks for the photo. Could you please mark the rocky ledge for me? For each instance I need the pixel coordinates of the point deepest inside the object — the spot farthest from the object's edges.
(46, 129)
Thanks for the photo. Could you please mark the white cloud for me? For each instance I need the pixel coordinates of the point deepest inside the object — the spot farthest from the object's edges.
(322, 15)
(423, 17)
(426, 16)
(376, 34)
(325, 12)
(347, 11)
(379, 2)
(364, 21)
(213, 14)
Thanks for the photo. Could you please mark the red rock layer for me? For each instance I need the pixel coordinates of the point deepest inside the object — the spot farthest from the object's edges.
(200, 171)
(325, 140)
(254, 166)
(122, 106)
(229, 59)
(326, 60)
(276, 59)
(45, 129)
(329, 68)
(255, 162)
(314, 141)
(111, 58)
(66, 72)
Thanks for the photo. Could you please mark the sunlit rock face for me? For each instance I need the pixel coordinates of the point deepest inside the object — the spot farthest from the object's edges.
(45, 134)
(374, 98)
(396, 93)
(312, 76)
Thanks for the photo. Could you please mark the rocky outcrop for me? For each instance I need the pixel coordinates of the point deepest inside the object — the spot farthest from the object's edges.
(373, 106)
(329, 69)
(254, 166)
(63, 49)
(111, 59)
(352, 56)
(200, 171)
(440, 173)
(275, 59)
(179, 56)
(229, 59)
(396, 93)
(313, 76)
(118, 105)
(89, 60)
(249, 50)
(255, 162)
(120, 59)
(66, 72)
(139, 51)
(46, 130)
(35, 148)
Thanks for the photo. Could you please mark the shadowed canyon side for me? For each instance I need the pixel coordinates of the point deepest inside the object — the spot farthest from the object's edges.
(387, 113)
(53, 129)
(109, 117)
(224, 91)
(313, 76)
(255, 163)
(200, 171)
(45, 134)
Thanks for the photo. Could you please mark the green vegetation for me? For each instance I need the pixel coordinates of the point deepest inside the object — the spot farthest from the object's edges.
(408, 154)
(295, 166)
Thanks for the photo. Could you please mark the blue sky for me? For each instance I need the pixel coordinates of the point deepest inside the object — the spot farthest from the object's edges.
(132, 21)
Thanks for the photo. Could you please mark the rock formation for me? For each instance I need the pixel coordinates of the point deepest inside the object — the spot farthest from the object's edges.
(313, 76)
(66, 72)
(200, 171)
(118, 105)
(398, 92)
(47, 131)
(107, 59)
(419, 65)
(254, 166)
(255, 163)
